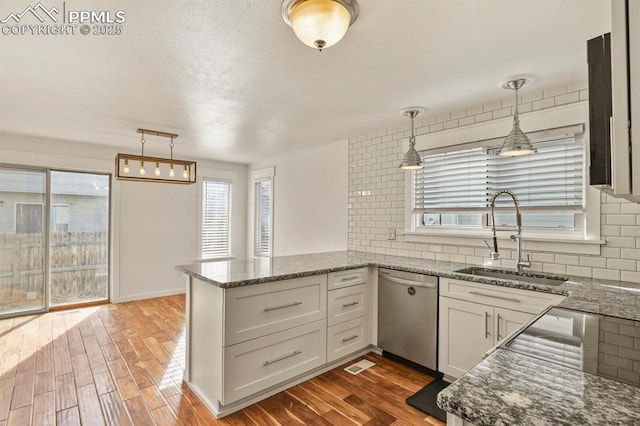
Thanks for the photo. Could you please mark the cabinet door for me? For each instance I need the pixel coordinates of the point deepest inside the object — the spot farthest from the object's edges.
(466, 333)
(508, 321)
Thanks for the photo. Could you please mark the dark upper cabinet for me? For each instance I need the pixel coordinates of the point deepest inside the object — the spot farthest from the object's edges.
(600, 111)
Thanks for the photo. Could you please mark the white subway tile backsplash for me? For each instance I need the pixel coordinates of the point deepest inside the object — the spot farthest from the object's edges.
(622, 264)
(543, 257)
(631, 276)
(567, 259)
(543, 103)
(579, 271)
(466, 121)
(626, 253)
(610, 209)
(606, 274)
(630, 231)
(568, 98)
(554, 268)
(628, 242)
(629, 208)
(486, 116)
(620, 219)
(377, 198)
(610, 230)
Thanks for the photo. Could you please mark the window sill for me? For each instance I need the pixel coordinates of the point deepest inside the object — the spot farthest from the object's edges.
(535, 242)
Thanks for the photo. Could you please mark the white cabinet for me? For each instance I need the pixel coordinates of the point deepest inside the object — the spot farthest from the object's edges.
(348, 313)
(625, 96)
(244, 342)
(474, 317)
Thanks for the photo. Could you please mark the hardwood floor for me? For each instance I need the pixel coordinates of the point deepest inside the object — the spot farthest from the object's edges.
(123, 365)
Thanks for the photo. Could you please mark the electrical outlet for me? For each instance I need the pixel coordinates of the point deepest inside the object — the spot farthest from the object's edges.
(391, 233)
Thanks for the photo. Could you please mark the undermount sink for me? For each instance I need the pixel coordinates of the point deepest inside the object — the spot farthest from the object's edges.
(503, 274)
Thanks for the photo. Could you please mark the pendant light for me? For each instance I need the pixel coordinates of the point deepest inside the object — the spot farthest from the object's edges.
(516, 143)
(412, 160)
(162, 170)
(320, 23)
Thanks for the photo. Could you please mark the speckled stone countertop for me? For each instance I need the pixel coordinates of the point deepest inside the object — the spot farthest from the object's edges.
(506, 388)
(614, 298)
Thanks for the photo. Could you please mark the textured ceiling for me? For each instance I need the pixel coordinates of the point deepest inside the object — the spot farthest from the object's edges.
(231, 78)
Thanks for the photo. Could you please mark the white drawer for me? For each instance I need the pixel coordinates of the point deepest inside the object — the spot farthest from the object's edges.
(257, 310)
(505, 297)
(255, 365)
(347, 303)
(346, 338)
(347, 278)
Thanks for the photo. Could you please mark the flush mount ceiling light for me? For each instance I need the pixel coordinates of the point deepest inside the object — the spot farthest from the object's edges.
(155, 169)
(516, 143)
(412, 160)
(320, 23)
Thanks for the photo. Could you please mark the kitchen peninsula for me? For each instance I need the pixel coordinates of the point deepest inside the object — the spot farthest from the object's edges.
(498, 377)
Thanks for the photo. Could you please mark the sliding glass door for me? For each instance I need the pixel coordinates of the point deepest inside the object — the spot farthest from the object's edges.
(79, 237)
(54, 239)
(23, 195)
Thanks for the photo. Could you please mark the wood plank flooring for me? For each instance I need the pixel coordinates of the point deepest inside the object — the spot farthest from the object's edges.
(123, 365)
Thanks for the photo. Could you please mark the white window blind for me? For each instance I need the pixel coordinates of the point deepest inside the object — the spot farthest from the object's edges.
(262, 217)
(215, 218)
(466, 179)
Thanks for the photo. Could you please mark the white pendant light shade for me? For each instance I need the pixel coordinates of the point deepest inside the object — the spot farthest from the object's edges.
(320, 23)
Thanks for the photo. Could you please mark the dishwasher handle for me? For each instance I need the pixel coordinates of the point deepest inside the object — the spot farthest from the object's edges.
(410, 282)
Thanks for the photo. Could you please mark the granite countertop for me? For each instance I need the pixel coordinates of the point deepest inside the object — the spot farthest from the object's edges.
(613, 298)
(506, 388)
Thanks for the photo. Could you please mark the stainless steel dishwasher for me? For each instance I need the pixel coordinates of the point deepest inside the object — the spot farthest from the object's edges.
(408, 316)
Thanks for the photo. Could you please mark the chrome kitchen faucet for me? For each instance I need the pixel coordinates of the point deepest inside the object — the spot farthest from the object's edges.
(517, 237)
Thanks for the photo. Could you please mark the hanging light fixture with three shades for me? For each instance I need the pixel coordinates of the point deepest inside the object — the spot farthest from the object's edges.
(320, 23)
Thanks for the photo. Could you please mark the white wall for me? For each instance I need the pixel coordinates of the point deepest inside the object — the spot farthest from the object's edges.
(154, 226)
(310, 200)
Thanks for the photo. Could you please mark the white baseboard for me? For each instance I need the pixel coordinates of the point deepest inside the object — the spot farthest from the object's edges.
(150, 295)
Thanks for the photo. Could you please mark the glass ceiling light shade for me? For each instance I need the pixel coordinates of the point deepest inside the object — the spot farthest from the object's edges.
(516, 143)
(412, 160)
(320, 23)
(163, 171)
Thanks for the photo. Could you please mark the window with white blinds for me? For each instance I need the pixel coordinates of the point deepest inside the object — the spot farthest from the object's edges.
(215, 241)
(549, 184)
(263, 199)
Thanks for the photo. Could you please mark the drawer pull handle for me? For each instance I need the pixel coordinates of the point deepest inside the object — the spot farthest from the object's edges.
(352, 277)
(510, 299)
(346, 305)
(282, 358)
(346, 339)
(486, 325)
(275, 308)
